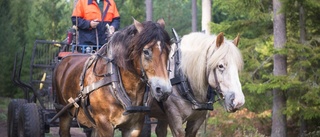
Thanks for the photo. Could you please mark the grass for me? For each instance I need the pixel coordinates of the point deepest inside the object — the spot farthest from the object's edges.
(4, 108)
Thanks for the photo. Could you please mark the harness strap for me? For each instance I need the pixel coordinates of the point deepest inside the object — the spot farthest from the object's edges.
(105, 81)
(120, 94)
(183, 84)
(85, 104)
(186, 91)
(86, 66)
(218, 88)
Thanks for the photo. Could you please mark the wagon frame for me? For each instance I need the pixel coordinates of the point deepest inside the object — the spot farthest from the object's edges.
(32, 115)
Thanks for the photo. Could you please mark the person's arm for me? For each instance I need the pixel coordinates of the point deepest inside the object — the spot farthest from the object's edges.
(82, 23)
(116, 17)
(78, 16)
(116, 23)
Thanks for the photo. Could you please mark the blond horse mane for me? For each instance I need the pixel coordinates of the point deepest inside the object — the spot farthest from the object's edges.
(199, 54)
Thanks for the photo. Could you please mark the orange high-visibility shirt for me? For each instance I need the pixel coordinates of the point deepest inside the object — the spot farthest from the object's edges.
(89, 10)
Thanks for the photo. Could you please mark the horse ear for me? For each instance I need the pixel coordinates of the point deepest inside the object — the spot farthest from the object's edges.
(138, 25)
(161, 22)
(220, 39)
(236, 40)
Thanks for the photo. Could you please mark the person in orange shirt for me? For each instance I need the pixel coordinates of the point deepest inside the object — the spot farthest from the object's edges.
(91, 18)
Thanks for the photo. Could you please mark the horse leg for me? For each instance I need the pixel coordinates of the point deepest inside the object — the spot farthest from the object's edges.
(104, 130)
(161, 128)
(134, 131)
(175, 124)
(130, 133)
(192, 127)
(64, 122)
(94, 133)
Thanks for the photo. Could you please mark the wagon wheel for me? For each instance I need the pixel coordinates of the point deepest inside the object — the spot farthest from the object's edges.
(13, 116)
(31, 121)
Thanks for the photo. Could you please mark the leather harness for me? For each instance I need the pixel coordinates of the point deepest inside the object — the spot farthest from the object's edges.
(185, 90)
(111, 79)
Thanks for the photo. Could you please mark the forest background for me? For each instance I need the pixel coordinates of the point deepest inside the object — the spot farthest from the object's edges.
(24, 21)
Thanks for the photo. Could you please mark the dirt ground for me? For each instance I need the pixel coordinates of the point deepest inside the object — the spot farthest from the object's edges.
(54, 131)
(3, 129)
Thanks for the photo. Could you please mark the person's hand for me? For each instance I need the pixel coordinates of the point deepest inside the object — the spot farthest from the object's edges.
(94, 23)
(111, 29)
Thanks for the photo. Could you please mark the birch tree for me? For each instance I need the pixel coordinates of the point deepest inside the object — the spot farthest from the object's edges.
(149, 10)
(194, 15)
(206, 16)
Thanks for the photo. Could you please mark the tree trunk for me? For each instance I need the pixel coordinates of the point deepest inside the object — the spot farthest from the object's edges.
(303, 126)
(149, 12)
(279, 121)
(194, 15)
(302, 23)
(302, 26)
(206, 16)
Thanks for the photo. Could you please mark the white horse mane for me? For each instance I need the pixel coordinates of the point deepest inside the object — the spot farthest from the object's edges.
(199, 54)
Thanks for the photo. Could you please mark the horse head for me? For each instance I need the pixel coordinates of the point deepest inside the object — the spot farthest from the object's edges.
(146, 54)
(223, 73)
(216, 62)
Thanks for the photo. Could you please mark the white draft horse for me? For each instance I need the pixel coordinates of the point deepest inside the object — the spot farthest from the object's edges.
(205, 61)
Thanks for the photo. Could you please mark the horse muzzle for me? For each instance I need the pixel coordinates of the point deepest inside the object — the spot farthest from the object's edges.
(232, 103)
(160, 89)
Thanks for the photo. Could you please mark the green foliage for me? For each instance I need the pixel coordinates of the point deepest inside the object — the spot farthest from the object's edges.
(51, 19)
(243, 123)
(47, 20)
(176, 13)
(315, 133)
(302, 60)
(11, 37)
(129, 9)
(250, 18)
(253, 20)
(3, 108)
(169, 10)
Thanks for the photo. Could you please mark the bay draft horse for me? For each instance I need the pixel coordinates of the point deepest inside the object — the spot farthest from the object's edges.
(205, 61)
(139, 53)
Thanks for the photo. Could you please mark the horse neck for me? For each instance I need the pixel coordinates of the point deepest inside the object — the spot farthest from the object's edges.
(199, 95)
(133, 85)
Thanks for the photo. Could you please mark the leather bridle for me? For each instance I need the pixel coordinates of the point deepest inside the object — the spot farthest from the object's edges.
(218, 88)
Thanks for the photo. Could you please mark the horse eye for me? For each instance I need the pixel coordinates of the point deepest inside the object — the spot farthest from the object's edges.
(220, 66)
(147, 53)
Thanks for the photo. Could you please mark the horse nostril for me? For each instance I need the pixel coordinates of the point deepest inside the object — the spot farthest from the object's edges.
(158, 90)
(232, 103)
